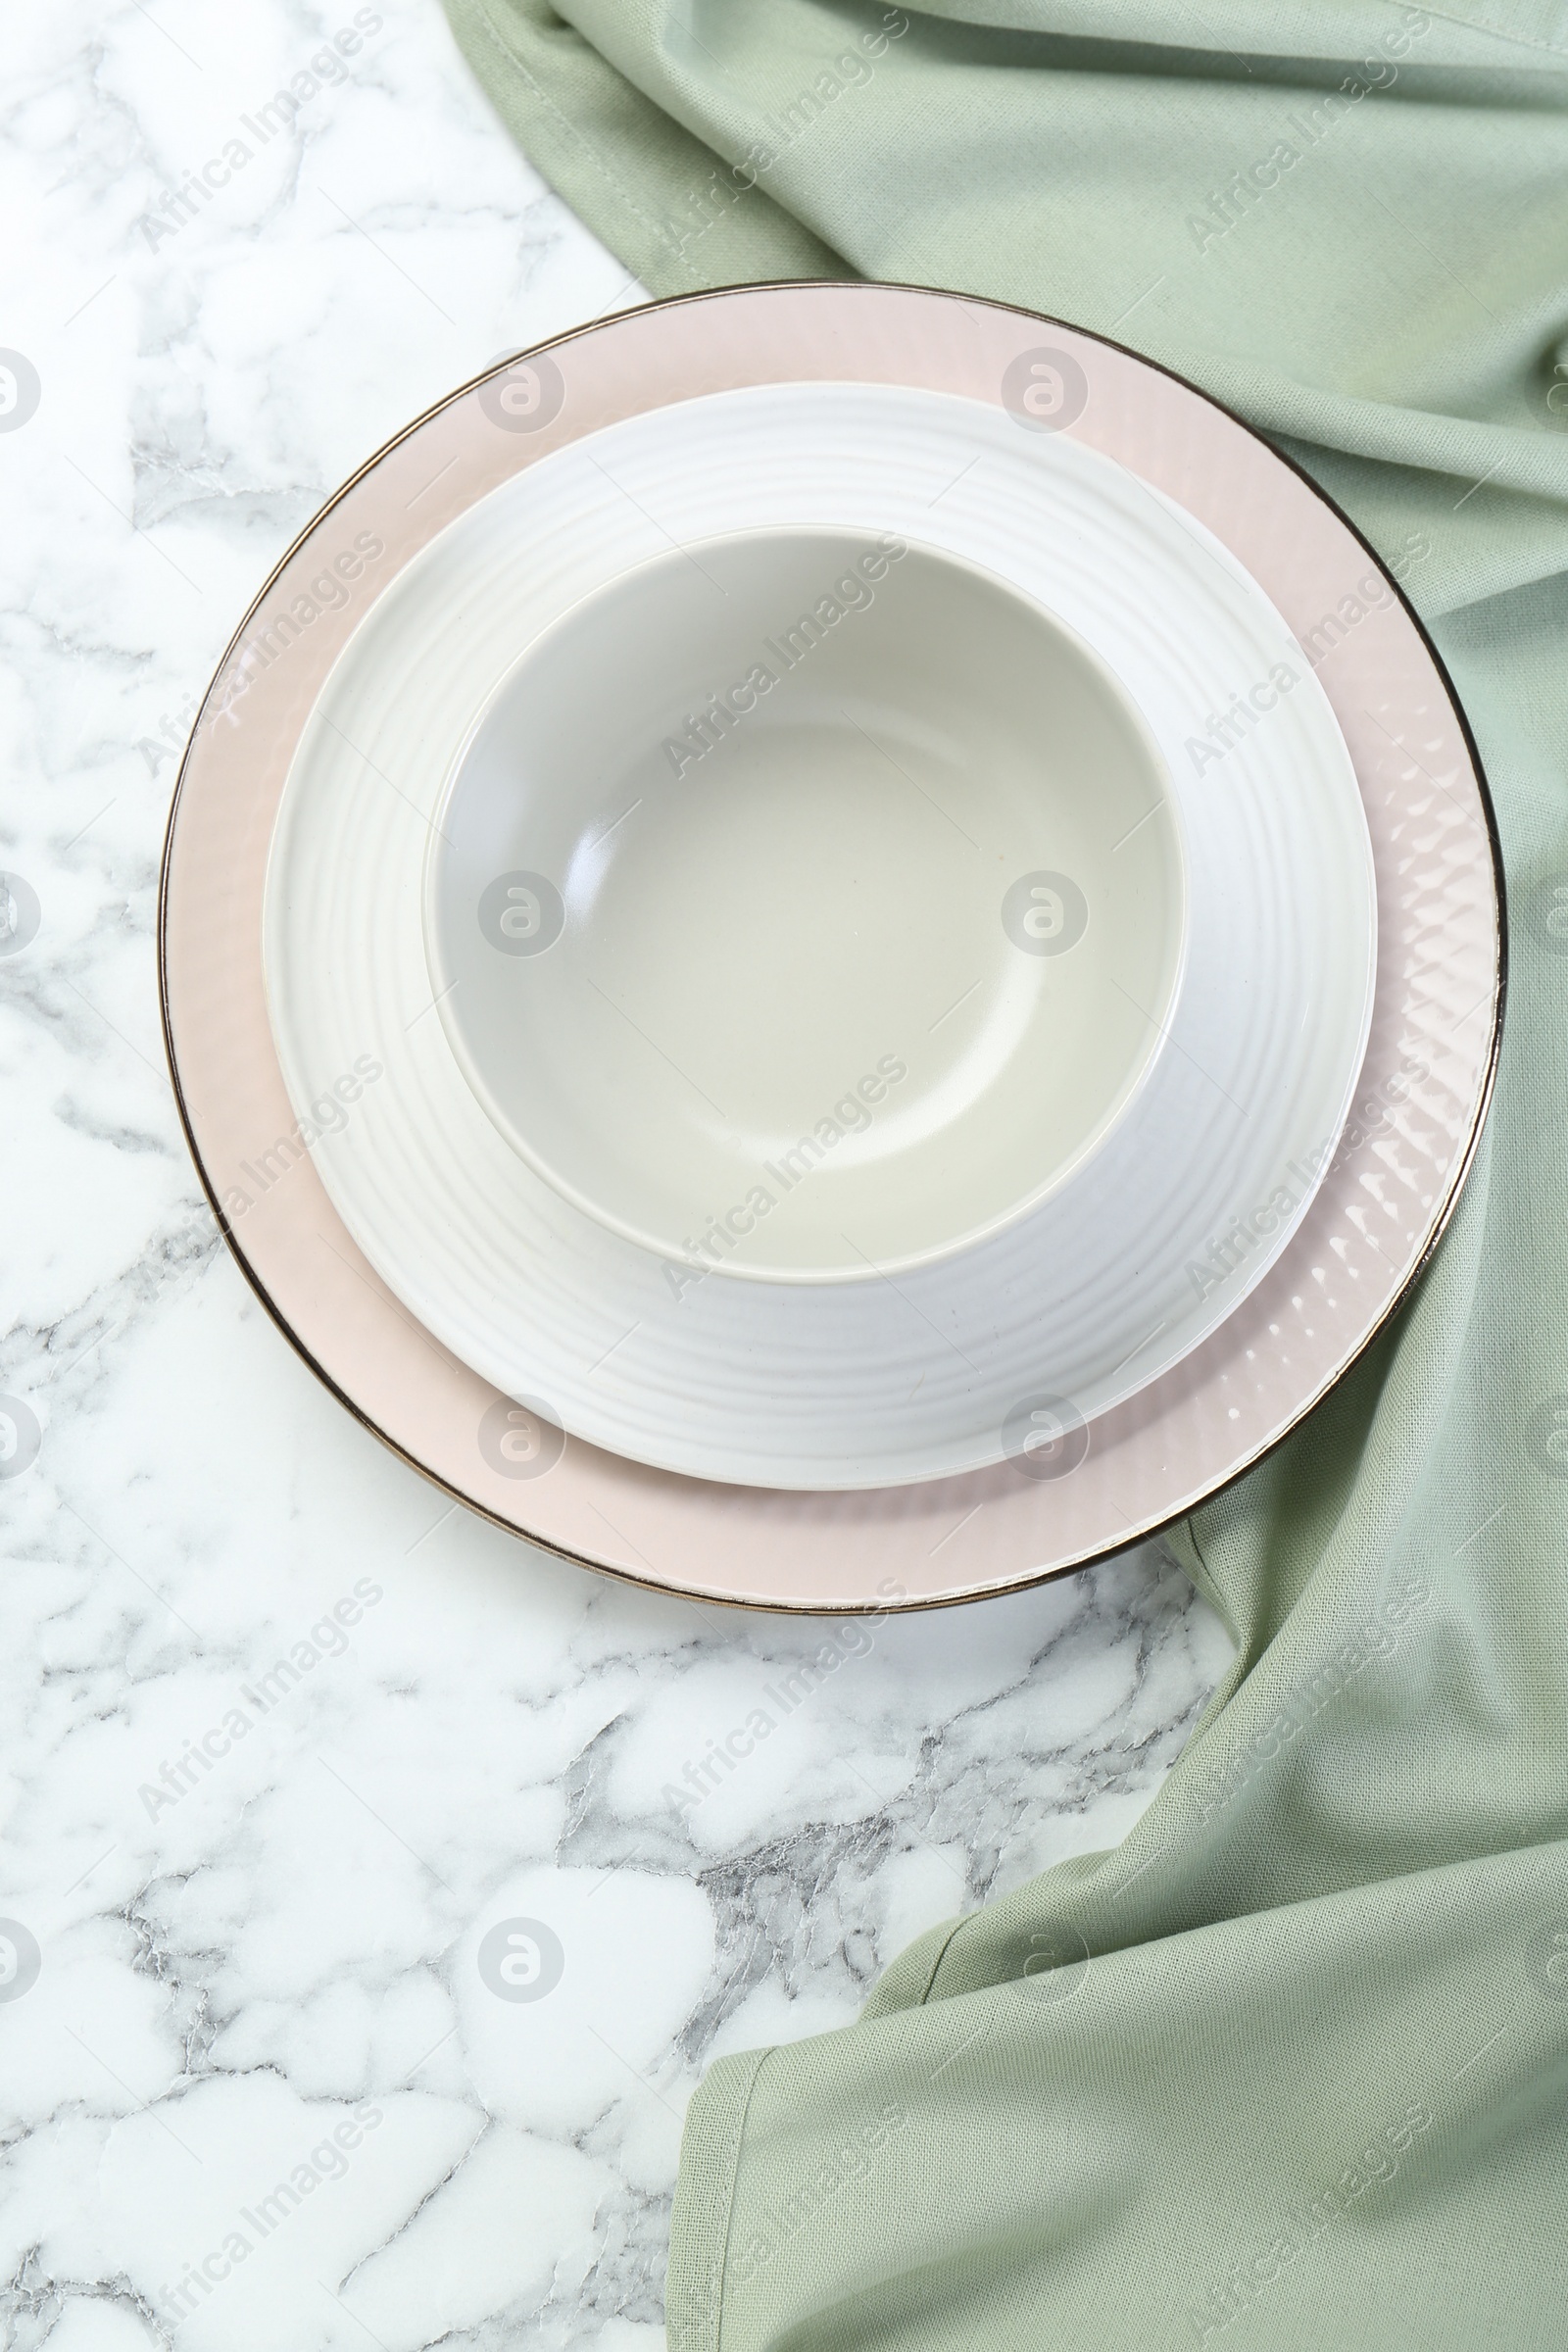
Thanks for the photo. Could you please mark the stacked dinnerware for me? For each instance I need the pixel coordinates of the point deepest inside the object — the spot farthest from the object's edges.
(831, 948)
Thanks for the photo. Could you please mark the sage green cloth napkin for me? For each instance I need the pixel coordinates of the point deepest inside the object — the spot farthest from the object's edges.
(1290, 2066)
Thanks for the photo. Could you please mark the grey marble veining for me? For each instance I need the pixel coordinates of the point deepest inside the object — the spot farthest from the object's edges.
(289, 1745)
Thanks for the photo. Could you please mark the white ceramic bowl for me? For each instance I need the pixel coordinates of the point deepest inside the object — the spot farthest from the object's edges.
(1084, 1299)
(806, 906)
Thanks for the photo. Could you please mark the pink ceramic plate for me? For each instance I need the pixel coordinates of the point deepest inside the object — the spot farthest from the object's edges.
(1069, 1494)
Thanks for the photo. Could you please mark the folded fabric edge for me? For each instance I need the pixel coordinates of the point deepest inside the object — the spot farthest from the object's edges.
(705, 2199)
(678, 215)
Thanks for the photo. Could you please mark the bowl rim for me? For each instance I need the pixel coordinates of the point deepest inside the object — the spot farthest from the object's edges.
(1176, 863)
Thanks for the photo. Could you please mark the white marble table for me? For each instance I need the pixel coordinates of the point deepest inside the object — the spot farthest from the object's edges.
(285, 1736)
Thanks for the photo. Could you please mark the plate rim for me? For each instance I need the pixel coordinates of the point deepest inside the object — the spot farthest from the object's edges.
(455, 1311)
(905, 1603)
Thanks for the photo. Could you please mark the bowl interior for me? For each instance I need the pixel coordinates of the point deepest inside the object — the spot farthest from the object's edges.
(805, 905)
